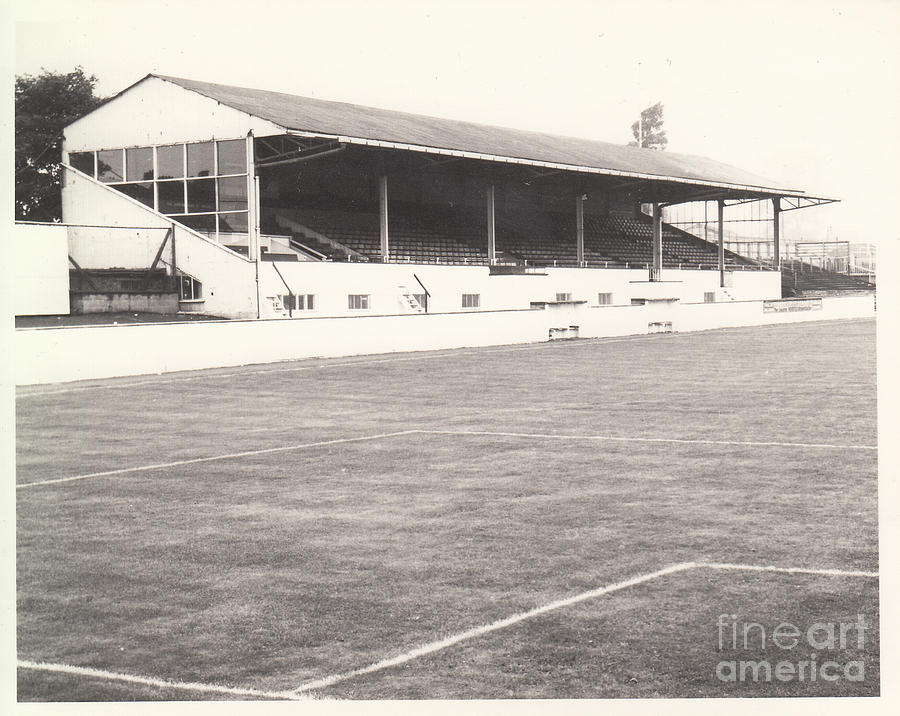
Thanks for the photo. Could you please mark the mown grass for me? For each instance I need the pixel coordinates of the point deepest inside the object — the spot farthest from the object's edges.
(276, 569)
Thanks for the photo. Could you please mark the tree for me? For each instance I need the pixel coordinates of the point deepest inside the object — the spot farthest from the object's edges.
(44, 105)
(648, 131)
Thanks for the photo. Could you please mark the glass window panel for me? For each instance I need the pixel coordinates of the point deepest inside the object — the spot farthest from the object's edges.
(143, 192)
(171, 197)
(232, 156)
(204, 224)
(233, 223)
(170, 161)
(200, 159)
(233, 194)
(201, 195)
(83, 162)
(139, 164)
(109, 165)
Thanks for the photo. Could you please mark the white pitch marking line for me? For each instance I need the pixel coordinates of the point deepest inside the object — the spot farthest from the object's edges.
(786, 570)
(744, 443)
(228, 456)
(160, 683)
(441, 644)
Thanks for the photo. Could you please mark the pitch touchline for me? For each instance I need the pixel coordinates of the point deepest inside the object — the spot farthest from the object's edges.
(159, 683)
(227, 456)
(442, 644)
(746, 443)
(483, 433)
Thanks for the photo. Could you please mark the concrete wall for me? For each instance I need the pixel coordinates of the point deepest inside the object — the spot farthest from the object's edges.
(332, 282)
(48, 355)
(229, 284)
(40, 270)
(158, 112)
(112, 302)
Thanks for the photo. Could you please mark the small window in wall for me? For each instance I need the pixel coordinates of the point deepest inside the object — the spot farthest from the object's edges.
(604, 299)
(305, 302)
(232, 156)
(233, 194)
(233, 223)
(111, 165)
(139, 164)
(563, 296)
(204, 223)
(83, 162)
(709, 297)
(190, 289)
(200, 159)
(142, 191)
(170, 161)
(201, 196)
(358, 301)
(471, 300)
(171, 197)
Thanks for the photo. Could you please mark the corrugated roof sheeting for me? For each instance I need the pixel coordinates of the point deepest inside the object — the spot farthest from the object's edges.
(339, 118)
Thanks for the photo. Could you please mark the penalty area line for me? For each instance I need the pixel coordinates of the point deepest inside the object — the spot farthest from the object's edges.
(158, 683)
(786, 570)
(211, 458)
(478, 631)
(442, 644)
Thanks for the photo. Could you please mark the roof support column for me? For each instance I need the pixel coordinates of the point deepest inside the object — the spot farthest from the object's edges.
(579, 229)
(776, 232)
(721, 204)
(656, 268)
(383, 217)
(254, 251)
(491, 226)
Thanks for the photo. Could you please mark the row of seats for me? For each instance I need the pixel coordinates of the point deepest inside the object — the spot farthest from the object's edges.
(614, 240)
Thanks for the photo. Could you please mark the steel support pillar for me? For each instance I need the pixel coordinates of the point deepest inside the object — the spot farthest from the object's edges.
(776, 231)
(579, 229)
(721, 204)
(491, 226)
(383, 217)
(656, 268)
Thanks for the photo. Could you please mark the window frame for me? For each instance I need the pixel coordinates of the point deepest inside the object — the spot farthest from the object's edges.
(363, 299)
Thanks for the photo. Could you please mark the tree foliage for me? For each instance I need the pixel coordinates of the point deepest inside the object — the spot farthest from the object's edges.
(44, 105)
(648, 131)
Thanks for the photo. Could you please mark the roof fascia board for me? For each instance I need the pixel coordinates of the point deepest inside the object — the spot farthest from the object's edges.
(539, 163)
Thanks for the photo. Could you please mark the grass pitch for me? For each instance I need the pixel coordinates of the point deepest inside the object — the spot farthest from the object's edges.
(270, 570)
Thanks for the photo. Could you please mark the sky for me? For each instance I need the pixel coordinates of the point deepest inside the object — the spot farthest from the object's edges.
(801, 92)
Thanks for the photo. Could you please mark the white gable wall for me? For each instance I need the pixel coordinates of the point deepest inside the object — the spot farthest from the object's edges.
(158, 112)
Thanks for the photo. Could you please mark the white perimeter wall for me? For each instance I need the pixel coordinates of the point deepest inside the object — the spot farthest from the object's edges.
(40, 270)
(49, 355)
(331, 283)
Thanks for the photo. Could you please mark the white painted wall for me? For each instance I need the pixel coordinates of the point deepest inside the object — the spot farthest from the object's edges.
(229, 284)
(158, 112)
(41, 270)
(332, 282)
(48, 355)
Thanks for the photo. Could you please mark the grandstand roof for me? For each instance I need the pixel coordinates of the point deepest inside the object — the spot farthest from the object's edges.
(368, 125)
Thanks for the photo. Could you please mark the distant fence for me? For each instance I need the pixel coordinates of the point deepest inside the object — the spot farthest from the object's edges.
(50, 355)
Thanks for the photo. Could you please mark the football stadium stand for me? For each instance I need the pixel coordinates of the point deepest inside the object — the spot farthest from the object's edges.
(250, 200)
